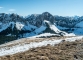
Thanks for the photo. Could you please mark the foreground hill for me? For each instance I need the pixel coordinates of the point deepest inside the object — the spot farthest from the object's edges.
(63, 51)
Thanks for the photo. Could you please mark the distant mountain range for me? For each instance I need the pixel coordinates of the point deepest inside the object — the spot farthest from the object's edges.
(16, 26)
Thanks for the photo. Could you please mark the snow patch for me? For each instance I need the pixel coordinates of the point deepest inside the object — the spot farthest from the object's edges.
(19, 25)
(44, 34)
(74, 38)
(70, 34)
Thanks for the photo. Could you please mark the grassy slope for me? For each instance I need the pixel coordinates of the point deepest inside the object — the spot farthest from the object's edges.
(62, 51)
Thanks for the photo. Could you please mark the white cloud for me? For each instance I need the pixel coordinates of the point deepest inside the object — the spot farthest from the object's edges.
(11, 10)
(1, 7)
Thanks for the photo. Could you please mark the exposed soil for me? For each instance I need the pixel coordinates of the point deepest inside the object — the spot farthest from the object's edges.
(62, 51)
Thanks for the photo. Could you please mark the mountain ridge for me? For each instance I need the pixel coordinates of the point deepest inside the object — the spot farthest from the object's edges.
(35, 24)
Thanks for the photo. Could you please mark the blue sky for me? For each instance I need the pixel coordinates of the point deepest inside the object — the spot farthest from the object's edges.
(55, 7)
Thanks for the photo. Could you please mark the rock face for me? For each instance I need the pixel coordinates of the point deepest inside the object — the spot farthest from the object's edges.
(47, 16)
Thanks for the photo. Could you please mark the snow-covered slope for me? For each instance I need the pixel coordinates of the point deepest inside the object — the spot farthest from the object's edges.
(29, 27)
(79, 29)
(80, 24)
(52, 26)
(4, 26)
(42, 28)
(35, 32)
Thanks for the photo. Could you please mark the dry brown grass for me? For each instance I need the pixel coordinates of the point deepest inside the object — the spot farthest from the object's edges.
(62, 51)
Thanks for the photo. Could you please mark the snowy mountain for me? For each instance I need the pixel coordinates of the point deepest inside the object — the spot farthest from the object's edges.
(30, 25)
(16, 26)
(70, 24)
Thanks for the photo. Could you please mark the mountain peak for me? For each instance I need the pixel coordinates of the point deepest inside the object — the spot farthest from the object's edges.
(46, 13)
(49, 17)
